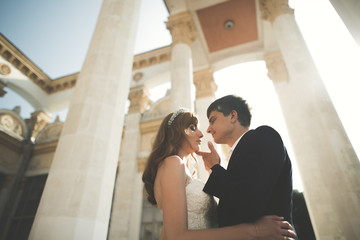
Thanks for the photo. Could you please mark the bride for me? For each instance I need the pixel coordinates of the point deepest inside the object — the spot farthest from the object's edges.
(188, 212)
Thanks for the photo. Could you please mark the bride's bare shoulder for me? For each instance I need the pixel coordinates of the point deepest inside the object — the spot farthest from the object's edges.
(171, 170)
(172, 165)
(173, 161)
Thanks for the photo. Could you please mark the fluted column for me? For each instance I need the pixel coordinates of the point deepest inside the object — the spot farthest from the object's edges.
(205, 95)
(349, 11)
(77, 198)
(126, 210)
(182, 32)
(328, 165)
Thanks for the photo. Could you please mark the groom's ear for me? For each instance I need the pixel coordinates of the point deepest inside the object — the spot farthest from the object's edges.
(234, 116)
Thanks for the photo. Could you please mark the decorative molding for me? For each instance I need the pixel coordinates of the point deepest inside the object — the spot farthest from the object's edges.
(182, 28)
(139, 99)
(4, 69)
(37, 122)
(271, 9)
(151, 58)
(13, 124)
(138, 76)
(63, 83)
(50, 133)
(275, 64)
(15, 57)
(204, 83)
(46, 147)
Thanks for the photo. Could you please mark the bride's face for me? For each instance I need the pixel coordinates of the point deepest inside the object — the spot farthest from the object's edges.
(192, 139)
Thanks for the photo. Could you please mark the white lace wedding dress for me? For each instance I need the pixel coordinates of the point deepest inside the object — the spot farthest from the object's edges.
(201, 206)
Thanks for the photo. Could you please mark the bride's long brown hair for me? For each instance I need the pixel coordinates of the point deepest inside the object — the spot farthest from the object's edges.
(167, 143)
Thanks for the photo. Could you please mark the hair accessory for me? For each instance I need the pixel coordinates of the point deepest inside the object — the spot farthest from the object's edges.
(175, 114)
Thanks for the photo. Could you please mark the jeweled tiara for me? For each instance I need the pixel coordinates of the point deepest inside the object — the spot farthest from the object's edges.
(175, 114)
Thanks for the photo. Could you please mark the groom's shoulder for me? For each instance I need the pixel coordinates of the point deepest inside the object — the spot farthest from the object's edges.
(265, 130)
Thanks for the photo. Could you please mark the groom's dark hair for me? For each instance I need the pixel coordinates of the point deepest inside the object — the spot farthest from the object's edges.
(226, 104)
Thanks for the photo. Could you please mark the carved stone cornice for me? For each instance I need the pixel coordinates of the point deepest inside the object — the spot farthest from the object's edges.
(182, 28)
(204, 83)
(43, 148)
(271, 9)
(151, 58)
(275, 64)
(63, 83)
(23, 64)
(139, 99)
(14, 56)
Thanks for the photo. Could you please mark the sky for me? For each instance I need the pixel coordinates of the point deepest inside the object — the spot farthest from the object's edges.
(55, 35)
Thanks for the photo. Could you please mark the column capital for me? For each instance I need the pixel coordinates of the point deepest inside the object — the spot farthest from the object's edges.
(139, 99)
(204, 83)
(37, 121)
(271, 9)
(182, 28)
(275, 64)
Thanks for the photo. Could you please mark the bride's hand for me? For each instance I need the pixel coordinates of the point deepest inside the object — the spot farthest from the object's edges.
(273, 227)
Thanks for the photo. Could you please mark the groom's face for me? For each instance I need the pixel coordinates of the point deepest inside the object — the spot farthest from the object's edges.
(220, 127)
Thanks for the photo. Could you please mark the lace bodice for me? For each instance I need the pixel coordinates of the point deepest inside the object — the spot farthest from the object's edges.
(201, 206)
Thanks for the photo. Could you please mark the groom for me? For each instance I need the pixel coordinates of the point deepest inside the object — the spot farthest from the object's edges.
(258, 179)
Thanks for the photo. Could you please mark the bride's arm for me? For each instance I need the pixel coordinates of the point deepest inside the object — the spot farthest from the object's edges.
(172, 186)
(173, 197)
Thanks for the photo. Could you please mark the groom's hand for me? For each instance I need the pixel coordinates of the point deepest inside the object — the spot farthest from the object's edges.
(210, 158)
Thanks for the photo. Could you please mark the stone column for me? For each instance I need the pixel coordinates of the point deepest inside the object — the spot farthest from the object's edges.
(126, 210)
(182, 32)
(205, 95)
(328, 165)
(349, 11)
(77, 198)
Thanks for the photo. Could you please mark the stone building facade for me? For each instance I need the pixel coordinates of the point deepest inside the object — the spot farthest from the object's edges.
(81, 179)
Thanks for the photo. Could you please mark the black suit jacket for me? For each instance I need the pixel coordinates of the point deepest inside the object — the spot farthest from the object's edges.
(257, 182)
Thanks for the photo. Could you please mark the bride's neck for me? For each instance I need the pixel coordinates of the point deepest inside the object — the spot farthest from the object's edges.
(184, 155)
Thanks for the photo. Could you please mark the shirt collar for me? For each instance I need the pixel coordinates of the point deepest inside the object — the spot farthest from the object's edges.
(237, 141)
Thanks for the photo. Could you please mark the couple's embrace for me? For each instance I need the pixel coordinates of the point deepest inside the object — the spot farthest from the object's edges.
(254, 191)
